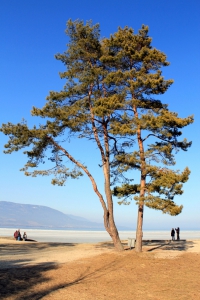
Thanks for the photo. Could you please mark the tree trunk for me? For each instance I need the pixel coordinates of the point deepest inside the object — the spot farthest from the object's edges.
(110, 226)
(113, 232)
(106, 170)
(116, 240)
(139, 233)
(109, 222)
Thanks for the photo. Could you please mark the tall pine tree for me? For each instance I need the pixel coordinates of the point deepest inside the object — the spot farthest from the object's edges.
(81, 110)
(108, 98)
(150, 131)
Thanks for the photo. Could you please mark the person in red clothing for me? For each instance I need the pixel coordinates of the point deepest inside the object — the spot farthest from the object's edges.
(16, 234)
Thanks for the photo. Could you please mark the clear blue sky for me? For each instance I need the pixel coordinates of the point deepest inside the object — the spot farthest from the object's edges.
(32, 32)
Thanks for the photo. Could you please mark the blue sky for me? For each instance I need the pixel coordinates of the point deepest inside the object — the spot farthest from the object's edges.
(32, 32)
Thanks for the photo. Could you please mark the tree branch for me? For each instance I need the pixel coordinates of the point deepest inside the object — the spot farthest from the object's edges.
(90, 177)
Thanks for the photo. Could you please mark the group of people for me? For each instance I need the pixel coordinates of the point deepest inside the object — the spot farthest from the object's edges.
(177, 230)
(18, 237)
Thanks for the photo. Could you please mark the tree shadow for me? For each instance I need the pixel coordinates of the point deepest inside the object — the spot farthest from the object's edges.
(20, 282)
(180, 245)
(17, 281)
(16, 255)
(108, 245)
(26, 248)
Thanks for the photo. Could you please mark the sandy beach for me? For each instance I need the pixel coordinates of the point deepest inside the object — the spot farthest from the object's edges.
(164, 270)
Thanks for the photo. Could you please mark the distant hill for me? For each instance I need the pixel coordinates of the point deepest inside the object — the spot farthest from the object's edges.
(14, 215)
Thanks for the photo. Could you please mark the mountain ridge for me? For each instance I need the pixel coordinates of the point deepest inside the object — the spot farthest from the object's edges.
(41, 217)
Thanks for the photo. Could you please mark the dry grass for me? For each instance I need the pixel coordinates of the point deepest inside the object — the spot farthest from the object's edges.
(126, 275)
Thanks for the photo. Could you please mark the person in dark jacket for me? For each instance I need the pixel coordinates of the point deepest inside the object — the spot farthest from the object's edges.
(173, 234)
(19, 237)
(177, 233)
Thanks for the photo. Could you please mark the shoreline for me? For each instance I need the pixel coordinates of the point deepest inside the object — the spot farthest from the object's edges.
(74, 236)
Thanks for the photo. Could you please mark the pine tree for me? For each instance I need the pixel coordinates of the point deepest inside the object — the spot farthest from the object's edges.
(81, 110)
(108, 98)
(135, 70)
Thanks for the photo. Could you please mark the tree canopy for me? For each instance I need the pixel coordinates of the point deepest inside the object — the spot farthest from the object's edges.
(150, 130)
(108, 98)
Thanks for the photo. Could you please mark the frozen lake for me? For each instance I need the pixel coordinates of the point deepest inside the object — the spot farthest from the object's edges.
(75, 236)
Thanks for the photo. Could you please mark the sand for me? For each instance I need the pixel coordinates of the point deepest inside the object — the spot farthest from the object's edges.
(20, 253)
(164, 270)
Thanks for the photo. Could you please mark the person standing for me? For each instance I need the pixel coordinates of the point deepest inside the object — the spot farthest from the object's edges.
(19, 238)
(173, 234)
(16, 235)
(24, 236)
(177, 233)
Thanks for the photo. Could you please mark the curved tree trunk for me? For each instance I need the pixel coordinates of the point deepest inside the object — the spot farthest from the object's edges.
(110, 226)
(109, 222)
(106, 170)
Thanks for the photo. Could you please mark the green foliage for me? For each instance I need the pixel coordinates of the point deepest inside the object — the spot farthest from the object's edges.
(160, 190)
(149, 129)
(109, 97)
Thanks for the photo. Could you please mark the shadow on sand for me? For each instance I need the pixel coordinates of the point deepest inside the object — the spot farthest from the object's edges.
(151, 245)
(180, 245)
(22, 253)
(33, 282)
(26, 248)
(108, 245)
(19, 283)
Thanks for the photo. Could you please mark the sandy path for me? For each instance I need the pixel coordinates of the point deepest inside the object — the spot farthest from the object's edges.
(17, 254)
